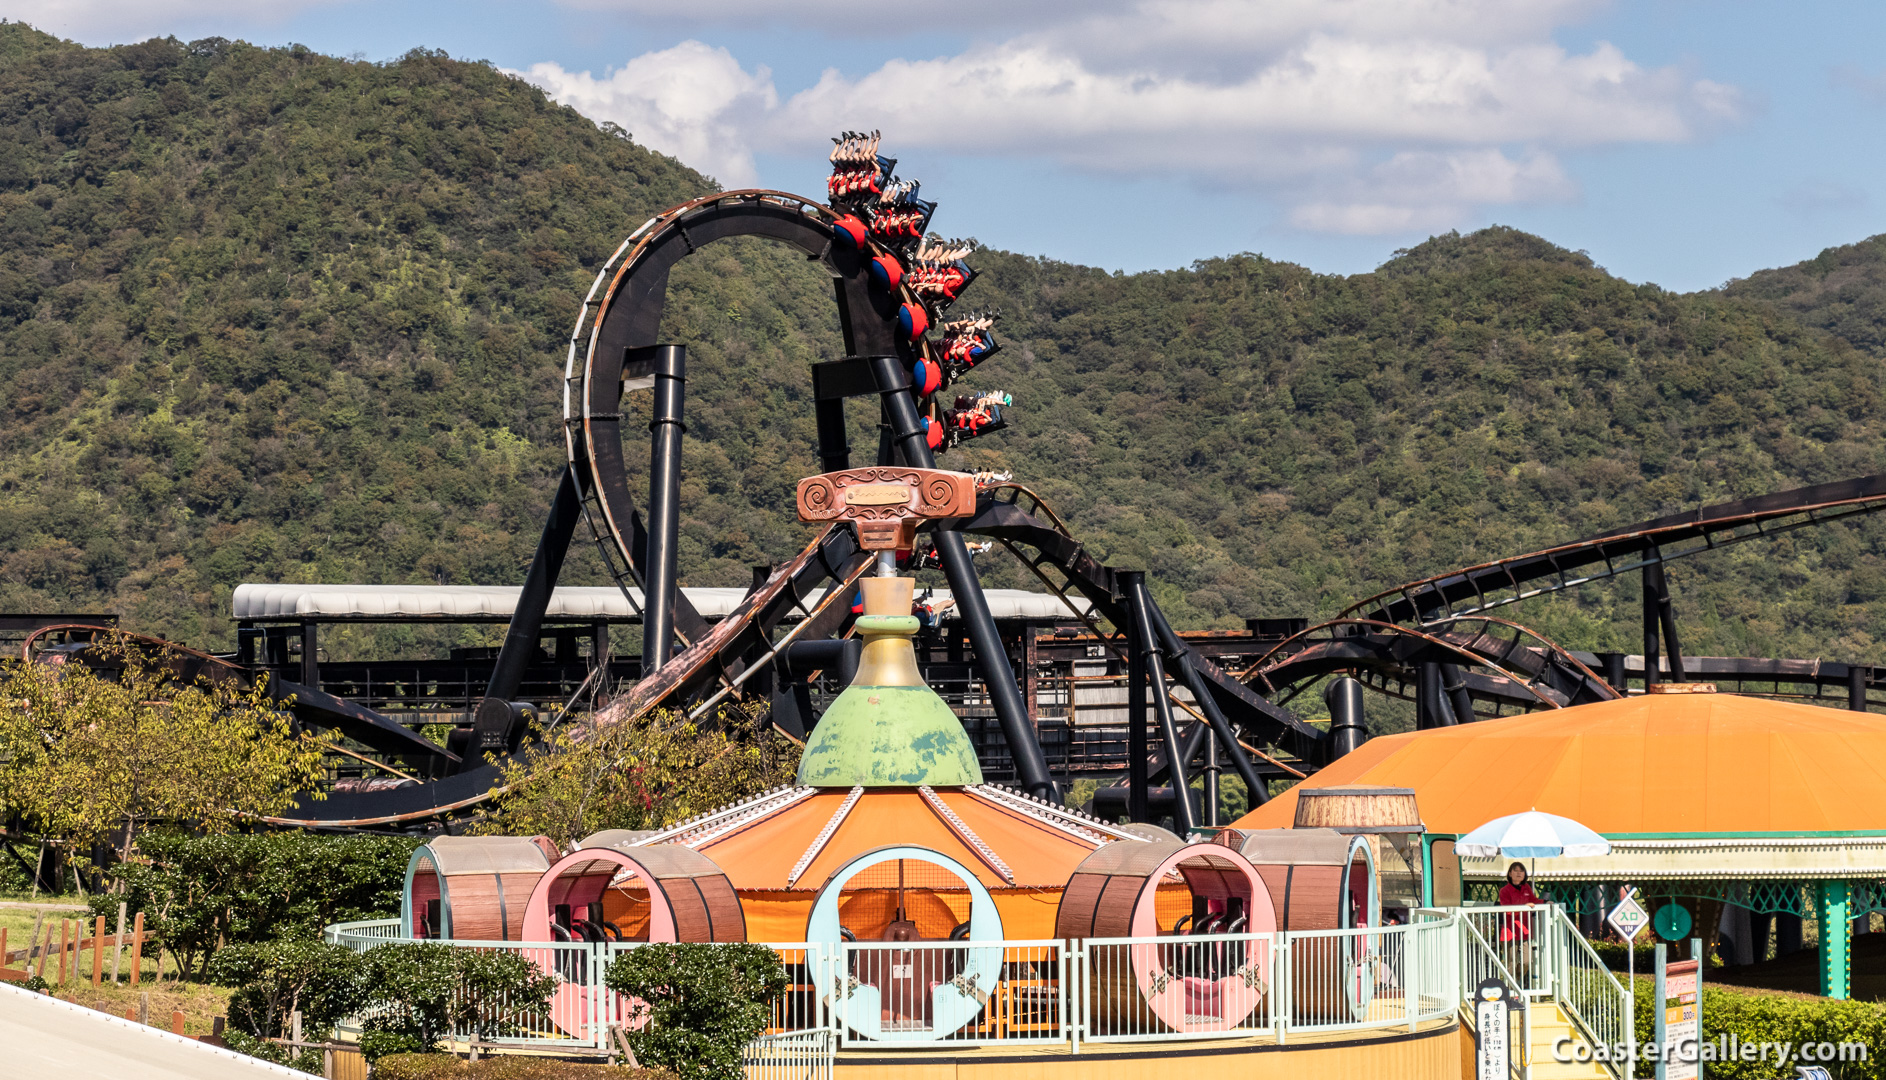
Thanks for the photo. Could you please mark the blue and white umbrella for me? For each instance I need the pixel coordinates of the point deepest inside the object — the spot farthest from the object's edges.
(1532, 835)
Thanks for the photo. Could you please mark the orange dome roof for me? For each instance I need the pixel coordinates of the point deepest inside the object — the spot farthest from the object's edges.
(795, 838)
(1645, 765)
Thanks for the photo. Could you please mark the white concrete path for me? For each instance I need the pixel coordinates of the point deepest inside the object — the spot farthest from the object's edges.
(43, 1037)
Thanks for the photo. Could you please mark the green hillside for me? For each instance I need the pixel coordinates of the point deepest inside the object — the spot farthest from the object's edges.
(269, 315)
(1842, 290)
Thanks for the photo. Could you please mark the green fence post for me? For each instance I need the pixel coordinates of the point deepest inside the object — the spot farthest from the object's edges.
(1835, 933)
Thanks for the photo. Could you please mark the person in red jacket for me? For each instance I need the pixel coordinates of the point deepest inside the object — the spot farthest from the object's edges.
(1516, 927)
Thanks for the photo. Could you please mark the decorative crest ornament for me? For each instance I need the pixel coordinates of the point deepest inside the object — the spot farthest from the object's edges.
(886, 504)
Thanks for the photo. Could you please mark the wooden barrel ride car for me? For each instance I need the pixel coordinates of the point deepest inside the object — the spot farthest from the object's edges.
(473, 888)
(1185, 893)
(602, 896)
(1358, 809)
(1319, 880)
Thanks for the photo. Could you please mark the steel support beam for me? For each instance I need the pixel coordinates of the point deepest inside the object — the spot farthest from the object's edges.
(1348, 728)
(834, 445)
(1454, 685)
(1220, 726)
(665, 429)
(1031, 765)
(1137, 777)
(493, 721)
(1431, 708)
(1140, 604)
(1856, 687)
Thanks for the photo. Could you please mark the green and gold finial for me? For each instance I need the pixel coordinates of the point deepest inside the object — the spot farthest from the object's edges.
(887, 729)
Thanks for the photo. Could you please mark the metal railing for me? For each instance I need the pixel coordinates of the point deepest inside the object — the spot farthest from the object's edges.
(1137, 989)
(1520, 937)
(798, 1055)
(1479, 961)
(1588, 991)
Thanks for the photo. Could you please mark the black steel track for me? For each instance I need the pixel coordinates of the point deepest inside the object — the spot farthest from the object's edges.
(1475, 589)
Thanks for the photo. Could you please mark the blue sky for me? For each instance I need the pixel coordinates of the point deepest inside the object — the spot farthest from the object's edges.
(1676, 141)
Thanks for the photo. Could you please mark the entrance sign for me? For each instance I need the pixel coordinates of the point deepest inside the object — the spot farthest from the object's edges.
(1629, 918)
(1493, 1050)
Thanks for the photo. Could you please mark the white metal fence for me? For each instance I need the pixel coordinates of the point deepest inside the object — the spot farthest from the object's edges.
(992, 993)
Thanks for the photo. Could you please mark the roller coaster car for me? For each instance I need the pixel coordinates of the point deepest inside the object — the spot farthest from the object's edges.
(856, 181)
(964, 349)
(970, 423)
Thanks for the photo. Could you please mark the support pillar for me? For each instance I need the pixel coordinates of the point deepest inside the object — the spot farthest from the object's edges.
(1348, 728)
(664, 506)
(310, 656)
(1431, 708)
(1614, 673)
(1210, 810)
(1836, 947)
(1136, 779)
(1856, 687)
(1454, 685)
(1145, 638)
(494, 721)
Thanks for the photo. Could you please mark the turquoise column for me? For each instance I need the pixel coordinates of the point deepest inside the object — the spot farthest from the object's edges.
(1836, 941)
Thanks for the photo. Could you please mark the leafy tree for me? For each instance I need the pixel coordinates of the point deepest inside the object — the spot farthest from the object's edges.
(201, 893)
(89, 757)
(642, 775)
(703, 1003)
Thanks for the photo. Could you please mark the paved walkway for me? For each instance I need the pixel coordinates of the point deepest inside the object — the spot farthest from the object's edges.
(41, 1036)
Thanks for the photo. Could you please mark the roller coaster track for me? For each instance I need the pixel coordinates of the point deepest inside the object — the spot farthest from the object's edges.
(1001, 516)
(310, 705)
(1476, 589)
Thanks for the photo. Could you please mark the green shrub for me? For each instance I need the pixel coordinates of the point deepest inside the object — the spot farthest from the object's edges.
(1774, 1018)
(703, 1003)
(307, 1060)
(201, 893)
(406, 1066)
(427, 990)
(276, 979)
(377, 1044)
(502, 1067)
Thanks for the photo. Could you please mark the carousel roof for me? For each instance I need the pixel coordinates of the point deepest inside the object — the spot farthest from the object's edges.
(795, 838)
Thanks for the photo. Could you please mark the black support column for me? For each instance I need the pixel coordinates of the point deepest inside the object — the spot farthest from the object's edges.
(1031, 765)
(1348, 727)
(1147, 641)
(1136, 749)
(493, 723)
(1221, 728)
(664, 505)
(834, 447)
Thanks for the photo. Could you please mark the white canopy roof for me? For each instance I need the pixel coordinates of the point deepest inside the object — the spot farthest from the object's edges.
(259, 600)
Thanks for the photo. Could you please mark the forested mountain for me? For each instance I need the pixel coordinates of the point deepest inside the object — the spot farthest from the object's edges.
(270, 315)
(1842, 291)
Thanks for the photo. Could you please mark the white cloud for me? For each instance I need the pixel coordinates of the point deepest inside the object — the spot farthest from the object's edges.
(1357, 116)
(693, 102)
(1417, 190)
